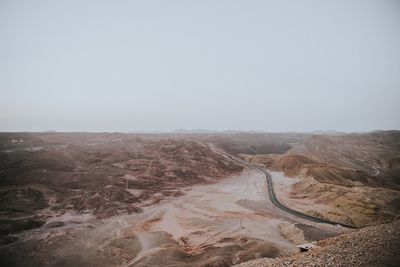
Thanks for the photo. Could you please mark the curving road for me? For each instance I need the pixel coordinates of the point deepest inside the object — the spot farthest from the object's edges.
(275, 201)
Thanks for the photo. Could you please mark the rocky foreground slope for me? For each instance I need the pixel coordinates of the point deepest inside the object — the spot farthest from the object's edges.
(370, 246)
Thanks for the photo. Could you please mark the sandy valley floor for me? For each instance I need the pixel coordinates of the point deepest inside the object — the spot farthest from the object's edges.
(223, 223)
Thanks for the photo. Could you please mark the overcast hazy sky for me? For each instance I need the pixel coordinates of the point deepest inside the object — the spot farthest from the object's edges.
(162, 65)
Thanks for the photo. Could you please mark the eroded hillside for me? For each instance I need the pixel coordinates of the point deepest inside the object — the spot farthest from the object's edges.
(354, 176)
(48, 175)
(81, 199)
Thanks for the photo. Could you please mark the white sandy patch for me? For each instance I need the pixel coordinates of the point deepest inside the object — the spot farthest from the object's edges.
(74, 218)
(33, 149)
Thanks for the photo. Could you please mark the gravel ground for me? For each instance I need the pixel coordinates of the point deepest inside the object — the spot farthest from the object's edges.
(370, 246)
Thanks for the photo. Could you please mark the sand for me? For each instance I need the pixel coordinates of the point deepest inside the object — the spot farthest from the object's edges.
(218, 224)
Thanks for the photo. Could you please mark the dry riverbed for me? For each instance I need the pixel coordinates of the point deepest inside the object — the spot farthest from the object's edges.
(224, 223)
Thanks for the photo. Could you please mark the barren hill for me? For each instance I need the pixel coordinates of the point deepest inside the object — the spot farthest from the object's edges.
(107, 174)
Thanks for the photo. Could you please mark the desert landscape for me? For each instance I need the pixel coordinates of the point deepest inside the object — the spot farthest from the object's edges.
(187, 199)
(199, 133)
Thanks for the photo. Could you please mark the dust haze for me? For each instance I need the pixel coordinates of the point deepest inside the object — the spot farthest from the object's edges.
(199, 133)
(227, 65)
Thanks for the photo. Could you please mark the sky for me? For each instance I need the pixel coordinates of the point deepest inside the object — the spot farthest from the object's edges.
(163, 65)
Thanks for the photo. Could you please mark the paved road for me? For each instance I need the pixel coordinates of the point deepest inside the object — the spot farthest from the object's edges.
(276, 202)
